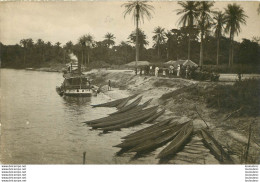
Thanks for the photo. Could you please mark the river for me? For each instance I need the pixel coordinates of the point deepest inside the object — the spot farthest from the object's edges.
(40, 127)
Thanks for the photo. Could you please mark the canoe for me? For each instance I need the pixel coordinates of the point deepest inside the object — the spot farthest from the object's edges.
(151, 132)
(114, 103)
(215, 148)
(117, 116)
(123, 103)
(129, 106)
(149, 136)
(134, 121)
(139, 107)
(154, 143)
(147, 129)
(124, 119)
(154, 117)
(178, 142)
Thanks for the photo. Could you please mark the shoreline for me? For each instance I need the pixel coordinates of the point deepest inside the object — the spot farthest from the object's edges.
(180, 107)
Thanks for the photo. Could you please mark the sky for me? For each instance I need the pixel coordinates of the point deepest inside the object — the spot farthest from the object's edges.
(65, 21)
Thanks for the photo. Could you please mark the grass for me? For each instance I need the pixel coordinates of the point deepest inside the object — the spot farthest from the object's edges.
(242, 95)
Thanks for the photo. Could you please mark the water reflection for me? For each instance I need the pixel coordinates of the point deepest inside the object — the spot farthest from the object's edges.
(76, 101)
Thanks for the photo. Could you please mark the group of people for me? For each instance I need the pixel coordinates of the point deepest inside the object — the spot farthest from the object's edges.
(170, 71)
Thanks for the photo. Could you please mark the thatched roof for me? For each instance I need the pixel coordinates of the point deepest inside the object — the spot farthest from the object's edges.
(139, 63)
(181, 62)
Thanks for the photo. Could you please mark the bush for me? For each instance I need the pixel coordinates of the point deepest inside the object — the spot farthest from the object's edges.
(236, 68)
(243, 94)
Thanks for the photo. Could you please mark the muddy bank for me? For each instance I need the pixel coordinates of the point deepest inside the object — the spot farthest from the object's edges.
(183, 100)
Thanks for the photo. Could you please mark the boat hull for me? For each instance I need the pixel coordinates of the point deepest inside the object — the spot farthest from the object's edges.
(78, 92)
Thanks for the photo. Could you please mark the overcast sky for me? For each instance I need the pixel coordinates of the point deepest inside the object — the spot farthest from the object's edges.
(65, 21)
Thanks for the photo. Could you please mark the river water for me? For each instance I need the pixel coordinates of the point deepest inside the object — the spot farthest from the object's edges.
(40, 127)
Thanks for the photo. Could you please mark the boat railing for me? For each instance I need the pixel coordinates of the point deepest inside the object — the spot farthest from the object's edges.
(77, 87)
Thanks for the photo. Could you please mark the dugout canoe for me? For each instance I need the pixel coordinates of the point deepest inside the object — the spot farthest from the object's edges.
(136, 110)
(154, 117)
(215, 148)
(129, 106)
(148, 129)
(115, 102)
(151, 132)
(123, 119)
(128, 123)
(152, 144)
(178, 142)
(123, 103)
(148, 136)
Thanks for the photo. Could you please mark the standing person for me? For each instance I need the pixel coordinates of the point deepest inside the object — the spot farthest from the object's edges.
(164, 72)
(109, 85)
(239, 75)
(178, 70)
(187, 71)
(151, 70)
(156, 71)
(171, 70)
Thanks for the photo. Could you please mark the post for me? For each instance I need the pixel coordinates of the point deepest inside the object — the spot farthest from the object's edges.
(84, 157)
(248, 143)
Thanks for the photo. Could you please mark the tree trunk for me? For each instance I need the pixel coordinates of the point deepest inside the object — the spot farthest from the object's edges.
(230, 50)
(167, 53)
(24, 58)
(201, 48)
(79, 63)
(137, 36)
(88, 57)
(158, 49)
(218, 50)
(189, 48)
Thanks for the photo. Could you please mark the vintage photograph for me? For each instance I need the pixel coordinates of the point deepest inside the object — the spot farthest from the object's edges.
(130, 82)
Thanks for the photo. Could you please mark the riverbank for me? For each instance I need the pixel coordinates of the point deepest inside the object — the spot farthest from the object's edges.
(183, 100)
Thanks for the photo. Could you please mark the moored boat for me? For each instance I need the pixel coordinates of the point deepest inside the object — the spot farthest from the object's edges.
(147, 129)
(157, 142)
(76, 83)
(124, 119)
(215, 148)
(128, 123)
(178, 141)
(114, 103)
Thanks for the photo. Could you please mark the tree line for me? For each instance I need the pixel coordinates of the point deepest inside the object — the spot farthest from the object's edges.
(200, 38)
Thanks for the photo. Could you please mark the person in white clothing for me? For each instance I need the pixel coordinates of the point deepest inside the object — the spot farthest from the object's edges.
(178, 70)
(156, 71)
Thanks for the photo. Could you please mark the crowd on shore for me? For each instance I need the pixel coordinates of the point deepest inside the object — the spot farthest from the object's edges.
(182, 71)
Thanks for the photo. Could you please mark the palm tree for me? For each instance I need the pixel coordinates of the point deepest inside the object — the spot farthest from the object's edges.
(139, 9)
(218, 26)
(142, 39)
(109, 39)
(82, 41)
(235, 16)
(23, 43)
(204, 22)
(40, 45)
(89, 43)
(168, 35)
(189, 17)
(159, 38)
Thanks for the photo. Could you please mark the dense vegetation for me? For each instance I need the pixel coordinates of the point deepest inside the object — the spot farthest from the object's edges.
(245, 53)
(200, 38)
(242, 97)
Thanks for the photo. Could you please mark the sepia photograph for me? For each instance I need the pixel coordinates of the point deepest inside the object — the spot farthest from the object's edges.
(130, 82)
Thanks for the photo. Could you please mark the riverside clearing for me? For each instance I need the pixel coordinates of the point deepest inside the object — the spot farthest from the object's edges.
(183, 99)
